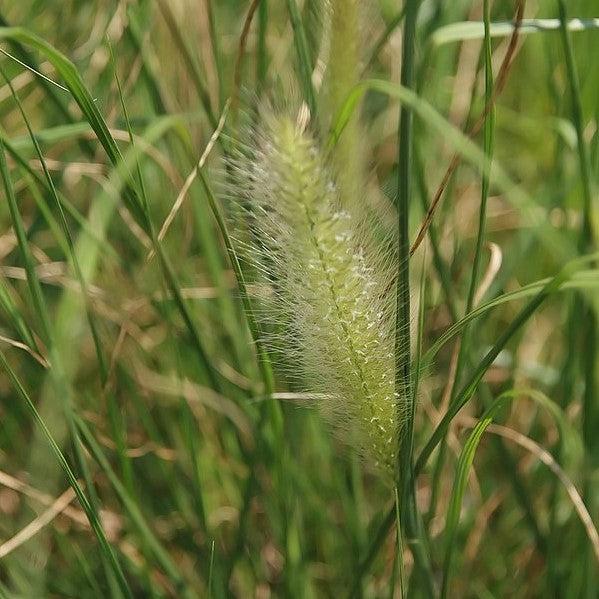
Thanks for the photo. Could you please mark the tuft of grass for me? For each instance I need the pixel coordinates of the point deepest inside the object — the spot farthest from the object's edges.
(172, 380)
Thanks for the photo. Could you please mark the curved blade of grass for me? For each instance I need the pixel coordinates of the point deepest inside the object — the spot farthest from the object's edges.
(72, 131)
(586, 279)
(88, 249)
(51, 135)
(549, 286)
(469, 388)
(459, 486)
(467, 457)
(38, 180)
(84, 99)
(58, 378)
(71, 253)
(67, 235)
(474, 30)
(50, 90)
(20, 233)
(159, 125)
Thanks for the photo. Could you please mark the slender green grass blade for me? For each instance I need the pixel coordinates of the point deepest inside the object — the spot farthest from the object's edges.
(91, 514)
(67, 235)
(132, 508)
(459, 486)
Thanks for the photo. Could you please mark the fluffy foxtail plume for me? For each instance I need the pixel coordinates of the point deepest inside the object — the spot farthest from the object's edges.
(332, 287)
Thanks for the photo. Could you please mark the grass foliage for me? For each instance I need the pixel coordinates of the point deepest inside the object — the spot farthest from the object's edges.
(278, 283)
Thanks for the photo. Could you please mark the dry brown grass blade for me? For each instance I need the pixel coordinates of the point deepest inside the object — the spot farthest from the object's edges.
(17, 344)
(38, 523)
(495, 261)
(475, 129)
(19, 486)
(197, 396)
(192, 177)
(241, 52)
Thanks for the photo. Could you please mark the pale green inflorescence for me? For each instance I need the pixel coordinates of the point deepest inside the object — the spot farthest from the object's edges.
(332, 289)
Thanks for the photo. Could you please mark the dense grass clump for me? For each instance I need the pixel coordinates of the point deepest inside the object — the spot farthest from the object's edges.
(367, 368)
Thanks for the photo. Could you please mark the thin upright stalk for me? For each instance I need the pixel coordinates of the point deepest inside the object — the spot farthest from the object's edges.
(303, 55)
(403, 386)
(582, 309)
(488, 134)
(402, 330)
(586, 238)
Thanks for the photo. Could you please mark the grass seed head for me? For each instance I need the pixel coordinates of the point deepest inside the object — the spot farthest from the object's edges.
(332, 310)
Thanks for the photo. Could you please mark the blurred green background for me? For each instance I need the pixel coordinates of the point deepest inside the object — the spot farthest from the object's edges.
(205, 487)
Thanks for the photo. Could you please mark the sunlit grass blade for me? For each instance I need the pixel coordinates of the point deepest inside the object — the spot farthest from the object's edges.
(473, 30)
